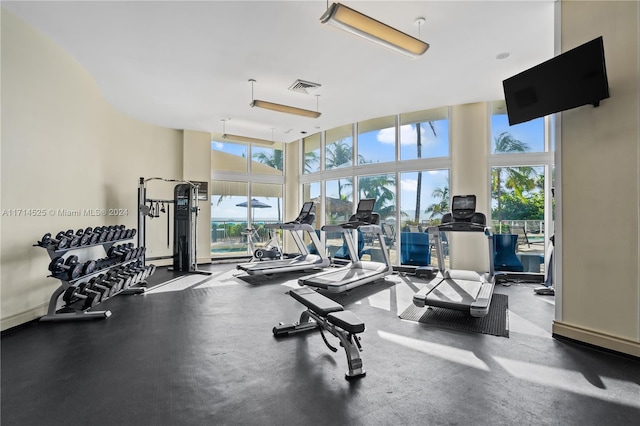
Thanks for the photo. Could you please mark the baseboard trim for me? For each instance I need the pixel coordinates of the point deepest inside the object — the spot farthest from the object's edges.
(596, 339)
(23, 317)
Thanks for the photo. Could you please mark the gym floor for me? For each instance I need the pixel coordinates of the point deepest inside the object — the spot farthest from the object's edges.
(199, 351)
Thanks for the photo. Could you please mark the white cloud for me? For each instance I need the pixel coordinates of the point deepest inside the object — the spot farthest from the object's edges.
(387, 135)
(409, 185)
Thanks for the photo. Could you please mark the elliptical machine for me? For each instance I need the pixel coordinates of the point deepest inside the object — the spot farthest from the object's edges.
(549, 281)
(547, 289)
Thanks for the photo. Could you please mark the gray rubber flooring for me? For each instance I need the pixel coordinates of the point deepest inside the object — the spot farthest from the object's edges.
(200, 351)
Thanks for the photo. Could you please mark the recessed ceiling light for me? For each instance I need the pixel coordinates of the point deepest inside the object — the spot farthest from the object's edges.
(503, 55)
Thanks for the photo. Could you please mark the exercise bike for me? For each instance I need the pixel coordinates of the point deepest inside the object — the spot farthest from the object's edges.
(270, 251)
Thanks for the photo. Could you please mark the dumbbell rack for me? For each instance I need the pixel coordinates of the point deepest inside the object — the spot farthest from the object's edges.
(66, 313)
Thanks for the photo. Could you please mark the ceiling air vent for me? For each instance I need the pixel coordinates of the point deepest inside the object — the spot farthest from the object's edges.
(305, 87)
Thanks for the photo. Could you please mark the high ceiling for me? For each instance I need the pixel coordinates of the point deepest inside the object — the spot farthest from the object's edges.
(186, 65)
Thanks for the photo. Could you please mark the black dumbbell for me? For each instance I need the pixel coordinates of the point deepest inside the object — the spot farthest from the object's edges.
(121, 232)
(111, 283)
(74, 240)
(46, 240)
(89, 267)
(123, 280)
(111, 232)
(93, 236)
(116, 252)
(96, 284)
(80, 292)
(137, 275)
(152, 269)
(85, 239)
(71, 266)
(61, 241)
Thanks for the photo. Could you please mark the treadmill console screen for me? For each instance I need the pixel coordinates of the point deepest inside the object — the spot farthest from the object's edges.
(303, 216)
(463, 206)
(366, 205)
(365, 210)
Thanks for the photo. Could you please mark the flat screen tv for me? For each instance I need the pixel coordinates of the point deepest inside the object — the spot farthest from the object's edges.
(572, 79)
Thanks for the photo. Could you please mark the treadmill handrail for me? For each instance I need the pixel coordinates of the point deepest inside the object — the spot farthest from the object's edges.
(290, 226)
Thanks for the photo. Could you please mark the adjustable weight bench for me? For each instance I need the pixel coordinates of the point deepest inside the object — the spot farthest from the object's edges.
(327, 315)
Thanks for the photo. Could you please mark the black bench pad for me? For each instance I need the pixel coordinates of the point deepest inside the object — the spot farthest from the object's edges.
(346, 320)
(315, 301)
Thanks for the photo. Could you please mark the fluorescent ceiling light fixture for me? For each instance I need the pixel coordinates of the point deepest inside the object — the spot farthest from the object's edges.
(239, 138)
(356, 23)
(285, 108)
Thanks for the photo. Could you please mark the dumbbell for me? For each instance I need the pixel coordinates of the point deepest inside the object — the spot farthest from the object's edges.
(117, 232)
(71, 266)
(90, 297)
(138, 273)
(61, 241)
(111, 232)
(98, 285)
(85, 239)
(74, 240)
(122, 250)
(117, 275)
(46, 241)
(98, 234)
(135, 273)
(109, 281)
(93, 236)
(89, 267)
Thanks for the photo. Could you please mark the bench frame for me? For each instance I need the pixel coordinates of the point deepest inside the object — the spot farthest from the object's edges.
(311, 320)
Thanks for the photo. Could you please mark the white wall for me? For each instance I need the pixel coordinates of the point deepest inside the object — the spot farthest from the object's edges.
(600, 285)
(197, 167)
(63, 147)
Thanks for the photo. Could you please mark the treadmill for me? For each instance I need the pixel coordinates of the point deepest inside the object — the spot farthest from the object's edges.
(305, 260)
(462, 290)
(357, 272)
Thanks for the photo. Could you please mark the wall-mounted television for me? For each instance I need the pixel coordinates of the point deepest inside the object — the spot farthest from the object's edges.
(572, 79)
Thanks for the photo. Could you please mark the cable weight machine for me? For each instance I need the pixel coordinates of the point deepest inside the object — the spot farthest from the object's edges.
(185, 221)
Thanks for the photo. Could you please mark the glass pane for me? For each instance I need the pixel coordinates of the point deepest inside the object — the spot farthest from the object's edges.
(433, 138)
(229, 156)
(517, 209)
(377, 140)
(228, 218)
(523, 137)
(338, 209)
(339, 147)
(266, 207)
(267, 160)
(383, 189)
(311, 192)
(425, 198)
(338, 200)
(311, 149)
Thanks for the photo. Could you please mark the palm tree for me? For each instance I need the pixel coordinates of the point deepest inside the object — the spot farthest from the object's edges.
(273, 159)
(418, 128)
(310, 159)
(377, 187)
(338, 154)
(442, 206)
(515, 178)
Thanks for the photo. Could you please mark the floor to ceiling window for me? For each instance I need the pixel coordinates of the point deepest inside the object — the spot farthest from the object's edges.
(520, 164)
(245, 195)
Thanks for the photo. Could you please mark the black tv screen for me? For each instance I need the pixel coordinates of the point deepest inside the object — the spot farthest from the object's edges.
(572, 79)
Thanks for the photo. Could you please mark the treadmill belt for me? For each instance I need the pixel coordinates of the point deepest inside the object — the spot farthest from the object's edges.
(495, 323)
